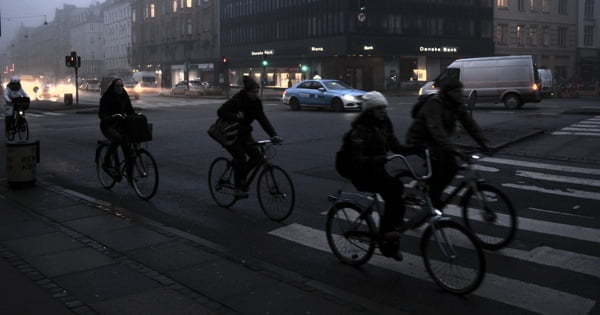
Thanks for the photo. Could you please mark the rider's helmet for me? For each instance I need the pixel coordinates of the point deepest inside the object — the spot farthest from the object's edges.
(15, 83)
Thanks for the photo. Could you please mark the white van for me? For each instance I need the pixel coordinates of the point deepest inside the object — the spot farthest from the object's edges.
(512, 80)
(547, 81)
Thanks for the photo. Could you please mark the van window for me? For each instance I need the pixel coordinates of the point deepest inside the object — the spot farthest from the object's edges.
(448, 73)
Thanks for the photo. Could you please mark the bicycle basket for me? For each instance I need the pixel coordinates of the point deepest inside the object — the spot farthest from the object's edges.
(138, 128)
(20, 103)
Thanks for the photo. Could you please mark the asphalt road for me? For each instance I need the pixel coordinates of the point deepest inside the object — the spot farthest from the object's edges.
(551, 176)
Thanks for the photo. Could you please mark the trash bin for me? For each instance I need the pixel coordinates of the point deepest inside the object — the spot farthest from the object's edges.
(68, 99)
(21, 160)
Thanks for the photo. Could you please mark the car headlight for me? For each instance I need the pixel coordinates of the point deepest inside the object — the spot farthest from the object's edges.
(349, 98)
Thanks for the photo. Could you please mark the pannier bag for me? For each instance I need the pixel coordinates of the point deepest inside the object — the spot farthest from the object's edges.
(224, 131)
(138, 128)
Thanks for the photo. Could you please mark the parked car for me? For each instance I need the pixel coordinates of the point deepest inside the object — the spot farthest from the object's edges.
(92, 85)
(133, 90)
(513, 80)
(333, 94)
(193, 85)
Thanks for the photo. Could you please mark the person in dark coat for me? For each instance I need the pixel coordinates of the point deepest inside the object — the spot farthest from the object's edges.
(115, 106)
(434, 126)
(371, 139)
(245, 107)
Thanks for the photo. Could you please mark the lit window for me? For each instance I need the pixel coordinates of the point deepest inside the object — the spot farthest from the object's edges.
(502, 4)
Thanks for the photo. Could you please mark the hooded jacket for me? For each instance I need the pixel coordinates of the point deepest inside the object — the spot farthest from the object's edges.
(435, 124)
(112, 103)
(251, 109)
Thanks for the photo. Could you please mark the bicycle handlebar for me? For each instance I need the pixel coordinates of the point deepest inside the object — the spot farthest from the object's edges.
(413, 173)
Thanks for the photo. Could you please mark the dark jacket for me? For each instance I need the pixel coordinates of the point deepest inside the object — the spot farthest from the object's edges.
(370, 142)
(436, 122)
(112, 103)
(251, 109)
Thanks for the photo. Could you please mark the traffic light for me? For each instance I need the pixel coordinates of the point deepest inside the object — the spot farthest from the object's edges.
(73, 61)
(69, 61)
(224, 60)
(265, 62)
(362, 5)
(303, 68)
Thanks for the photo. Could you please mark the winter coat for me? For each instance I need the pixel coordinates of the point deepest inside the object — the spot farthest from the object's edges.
(112, 103)
(436, 121)
(251, 109)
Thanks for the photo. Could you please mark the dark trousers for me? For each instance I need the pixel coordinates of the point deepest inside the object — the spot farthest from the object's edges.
(444, 168)
(117, 138)
(8, 122)
(244, 146)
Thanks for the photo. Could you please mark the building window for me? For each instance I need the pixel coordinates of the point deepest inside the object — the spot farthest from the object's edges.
(545, 6)
(562, 7)
(501, 34)
(533, 36)
(588, 36)
(188, 3)
(502, 4)
(546, 36)
(174, 6)
(521, 5)
(520, 35)
(152, 10)
(562, 37)
(589, 9)
(532, 5)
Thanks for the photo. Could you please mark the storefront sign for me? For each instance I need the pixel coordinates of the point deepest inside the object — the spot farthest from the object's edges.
(368, 47)
(439, 49)
(262, 52)
(205, 66)
(313, 48)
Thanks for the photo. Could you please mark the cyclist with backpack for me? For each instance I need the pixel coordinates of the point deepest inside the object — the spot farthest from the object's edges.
(433, 126)
(362, 159)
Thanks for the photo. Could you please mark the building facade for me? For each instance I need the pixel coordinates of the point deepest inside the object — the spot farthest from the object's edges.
(117, 38)
(87, 39)
(588, 42)
(177, 39)
(381, 45)
(546, 29)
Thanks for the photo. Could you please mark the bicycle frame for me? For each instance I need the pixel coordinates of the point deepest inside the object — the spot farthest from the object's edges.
(263, 163)
(470, 181)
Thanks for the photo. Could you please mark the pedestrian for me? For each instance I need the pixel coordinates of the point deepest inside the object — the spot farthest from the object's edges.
(368, 143)
(433, 127)
(245, 107)
(316, 76)
(115, 106)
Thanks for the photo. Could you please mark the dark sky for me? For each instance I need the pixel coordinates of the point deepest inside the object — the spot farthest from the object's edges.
(30, 13)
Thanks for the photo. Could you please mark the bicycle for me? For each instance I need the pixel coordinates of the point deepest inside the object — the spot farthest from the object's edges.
(275, 190)
(486, 210)
(144, 178)
(451, 253)
(19, 126)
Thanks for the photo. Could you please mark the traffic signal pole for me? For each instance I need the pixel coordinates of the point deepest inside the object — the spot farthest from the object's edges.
(74, 61)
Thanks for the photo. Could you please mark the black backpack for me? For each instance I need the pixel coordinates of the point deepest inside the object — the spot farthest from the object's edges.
(343, 158)
(420, 102)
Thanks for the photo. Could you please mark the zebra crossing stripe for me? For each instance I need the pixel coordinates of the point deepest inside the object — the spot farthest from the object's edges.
(575, 193)
(559, 178)
(517, 293)
(569, 133)
(552, 167)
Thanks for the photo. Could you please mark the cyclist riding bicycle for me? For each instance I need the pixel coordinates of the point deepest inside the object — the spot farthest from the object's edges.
(368, 143)
(13, 90)
(245, 107)
(434, 126)
(115, 106)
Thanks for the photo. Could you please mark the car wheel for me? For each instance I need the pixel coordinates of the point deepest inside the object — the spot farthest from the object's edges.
(512, 101)
(472, 100)
(337, 105)
(294, 104)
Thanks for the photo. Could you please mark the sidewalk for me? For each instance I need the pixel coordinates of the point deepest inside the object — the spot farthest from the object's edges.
(63, 252)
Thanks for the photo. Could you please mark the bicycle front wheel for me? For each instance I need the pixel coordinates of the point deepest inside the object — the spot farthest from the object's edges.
(145, 175)
(350, 235)
(106, 180)
(276, 194)
(22, 128)
(490, 215)
(453, 257)
(220, 182)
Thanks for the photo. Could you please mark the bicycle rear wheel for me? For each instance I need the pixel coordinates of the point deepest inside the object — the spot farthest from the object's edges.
(350, 235)
(106, 180)
(453, 257)
(495, 226)
(22, 128)
(220, 182)
(276, 194)
(145, 175)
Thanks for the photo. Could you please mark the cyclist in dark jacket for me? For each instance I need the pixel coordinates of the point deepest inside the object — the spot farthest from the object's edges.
(115, 105)
(371, 139)
(245, 107)
(434, 126)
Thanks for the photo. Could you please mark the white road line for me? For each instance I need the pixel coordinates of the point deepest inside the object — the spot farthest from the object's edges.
(517, 293)
(548, 256)
(559, 178)
(53, 114)
(560, 192)
(553, 167)
(559, 133)
(532, 225)
(575, 128)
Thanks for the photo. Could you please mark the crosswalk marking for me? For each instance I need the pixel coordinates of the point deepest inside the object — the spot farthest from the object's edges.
(587, 127)
(517, 293)
(575, 193)
(559, 178)
(553, 167)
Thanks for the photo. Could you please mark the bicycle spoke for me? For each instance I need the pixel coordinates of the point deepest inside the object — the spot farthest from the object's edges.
(349, 234)
(276, 193)
(145, 175)
(220, 182)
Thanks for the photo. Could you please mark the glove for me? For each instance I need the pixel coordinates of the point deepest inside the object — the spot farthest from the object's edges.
(240, 115)
(276, 139)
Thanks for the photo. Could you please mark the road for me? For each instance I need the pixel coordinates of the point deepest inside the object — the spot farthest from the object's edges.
(552, 178)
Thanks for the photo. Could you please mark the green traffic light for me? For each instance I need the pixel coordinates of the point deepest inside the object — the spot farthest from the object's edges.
(265, 63)
(304, 68)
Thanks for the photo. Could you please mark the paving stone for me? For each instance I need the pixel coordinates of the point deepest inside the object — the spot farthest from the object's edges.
(97, 224)
(42, 244)
(130, 238)
(170, 256)
(24, 229)
(69, 261)
(73, 212)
